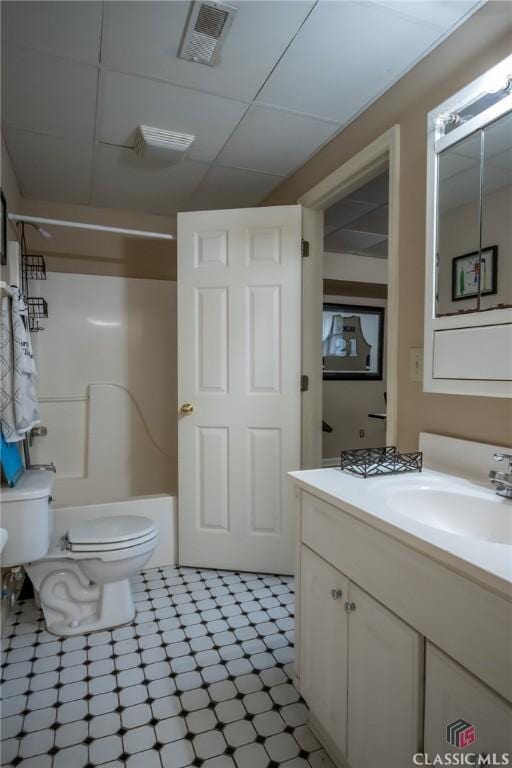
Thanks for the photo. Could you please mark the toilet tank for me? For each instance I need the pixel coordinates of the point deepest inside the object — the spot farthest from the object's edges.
(26, 516)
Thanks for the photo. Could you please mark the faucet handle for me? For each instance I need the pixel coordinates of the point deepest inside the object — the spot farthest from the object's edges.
(504, 456)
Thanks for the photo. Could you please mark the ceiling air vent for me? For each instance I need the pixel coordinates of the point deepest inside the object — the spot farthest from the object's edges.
(168, 145)
(206, 30)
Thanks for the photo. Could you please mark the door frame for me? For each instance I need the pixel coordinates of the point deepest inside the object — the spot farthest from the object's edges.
(384, 151)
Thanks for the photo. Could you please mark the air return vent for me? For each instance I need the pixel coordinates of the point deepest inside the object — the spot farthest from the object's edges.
(169, 145)
(206, 30)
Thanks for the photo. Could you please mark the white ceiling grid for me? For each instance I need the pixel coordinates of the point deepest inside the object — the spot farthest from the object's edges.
(78, 77)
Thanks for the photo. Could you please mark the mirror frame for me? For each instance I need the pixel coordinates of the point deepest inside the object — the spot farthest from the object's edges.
(437, 141)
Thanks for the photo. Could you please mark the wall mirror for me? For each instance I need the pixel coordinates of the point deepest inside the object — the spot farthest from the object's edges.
(474, 221)
(468, 268)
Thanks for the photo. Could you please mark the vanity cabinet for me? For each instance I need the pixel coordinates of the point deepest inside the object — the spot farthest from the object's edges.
(324, 644)
(393, 646)
(452, 693)
(385, 688)
(361, 669)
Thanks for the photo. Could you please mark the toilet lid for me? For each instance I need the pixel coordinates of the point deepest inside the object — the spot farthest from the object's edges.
(111, 530)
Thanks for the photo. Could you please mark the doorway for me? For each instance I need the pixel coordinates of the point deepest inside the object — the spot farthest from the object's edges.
(353, 320)
(351, 223)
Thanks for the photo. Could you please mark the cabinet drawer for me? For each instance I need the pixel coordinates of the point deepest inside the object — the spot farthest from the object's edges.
(474, 353)
(321, 528)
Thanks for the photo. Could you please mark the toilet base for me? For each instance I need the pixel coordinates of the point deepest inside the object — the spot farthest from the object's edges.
(72, 605)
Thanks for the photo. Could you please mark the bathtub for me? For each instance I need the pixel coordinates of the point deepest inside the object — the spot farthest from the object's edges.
(162, 509)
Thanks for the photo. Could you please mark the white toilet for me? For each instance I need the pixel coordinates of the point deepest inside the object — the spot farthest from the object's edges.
(81, 580)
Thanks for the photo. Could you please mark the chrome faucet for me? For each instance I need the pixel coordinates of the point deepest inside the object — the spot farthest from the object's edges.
(502, 480)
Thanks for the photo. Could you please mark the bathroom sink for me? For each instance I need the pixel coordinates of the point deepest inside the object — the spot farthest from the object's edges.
(464, 511)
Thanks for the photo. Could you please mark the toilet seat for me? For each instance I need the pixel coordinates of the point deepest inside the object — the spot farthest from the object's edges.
(109, 534)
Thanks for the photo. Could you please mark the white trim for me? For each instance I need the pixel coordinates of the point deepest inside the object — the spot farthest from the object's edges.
(384, 151)
(94, 227)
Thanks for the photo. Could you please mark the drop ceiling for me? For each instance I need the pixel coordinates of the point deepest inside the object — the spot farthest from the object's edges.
(359, 222)
(78, 77)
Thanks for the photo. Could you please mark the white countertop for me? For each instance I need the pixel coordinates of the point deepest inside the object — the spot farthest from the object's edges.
(487, 562)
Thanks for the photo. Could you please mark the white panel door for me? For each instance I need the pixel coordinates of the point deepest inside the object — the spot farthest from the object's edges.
(239, 339)
(385, 690)
(323, 644)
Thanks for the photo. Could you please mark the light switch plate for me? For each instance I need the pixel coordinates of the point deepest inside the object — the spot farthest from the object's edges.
(416, 363)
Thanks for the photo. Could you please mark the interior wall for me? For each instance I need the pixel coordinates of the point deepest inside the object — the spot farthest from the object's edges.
(346, 404)
(475, 47)
(99, 253)
(107, 386)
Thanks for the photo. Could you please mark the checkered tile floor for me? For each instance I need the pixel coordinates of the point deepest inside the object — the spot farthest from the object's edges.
(201, 678)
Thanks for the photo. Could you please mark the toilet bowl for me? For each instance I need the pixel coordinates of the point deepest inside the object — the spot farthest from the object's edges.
(81, 580)
(83, 583)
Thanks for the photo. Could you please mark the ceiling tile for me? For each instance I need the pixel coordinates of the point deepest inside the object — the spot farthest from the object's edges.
(460, 189)
(63, 28)
(440, 13)
(451, 163)
(231, 188)
(122, 179)
(45, 94)
(345, 211)
(375, 191)
(380, 250)
(376, 221)
(343, 57)
(274, 142)
(48, 168)
(349, 241)
(128, 101)
(145, 38)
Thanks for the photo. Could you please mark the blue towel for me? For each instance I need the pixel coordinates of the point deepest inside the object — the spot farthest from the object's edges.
(12, 465)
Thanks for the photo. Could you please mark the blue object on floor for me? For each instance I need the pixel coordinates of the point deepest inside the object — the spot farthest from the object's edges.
(12, 465)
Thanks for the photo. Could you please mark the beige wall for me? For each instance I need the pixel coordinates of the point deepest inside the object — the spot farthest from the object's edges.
(97, 253)
(476, 46)
(94, 253)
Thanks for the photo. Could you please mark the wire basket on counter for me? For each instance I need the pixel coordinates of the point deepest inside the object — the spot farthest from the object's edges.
(370, 462)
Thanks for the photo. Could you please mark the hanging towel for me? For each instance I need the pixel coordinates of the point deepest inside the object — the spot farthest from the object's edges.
(19, 406)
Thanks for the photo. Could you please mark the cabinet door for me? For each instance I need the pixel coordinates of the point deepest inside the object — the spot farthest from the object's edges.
(453, 694)
(385, 688)
(323, 644)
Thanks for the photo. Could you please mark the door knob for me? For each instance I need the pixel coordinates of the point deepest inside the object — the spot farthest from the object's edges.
(187, 409)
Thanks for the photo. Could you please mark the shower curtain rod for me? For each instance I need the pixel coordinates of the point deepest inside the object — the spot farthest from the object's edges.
(94, 227)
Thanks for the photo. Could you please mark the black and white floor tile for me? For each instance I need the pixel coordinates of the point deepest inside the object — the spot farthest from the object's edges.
(201, 678)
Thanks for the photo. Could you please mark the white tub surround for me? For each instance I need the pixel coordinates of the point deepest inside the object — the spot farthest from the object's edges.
(107, 386)
(405, 611)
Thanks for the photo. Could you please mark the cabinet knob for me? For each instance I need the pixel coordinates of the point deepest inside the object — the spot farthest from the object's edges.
(336, 594)
(349, 607)
(186, 409)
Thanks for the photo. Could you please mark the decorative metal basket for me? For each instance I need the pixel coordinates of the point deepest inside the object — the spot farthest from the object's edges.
(370, 462)
(37, 309)
(34, 267)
